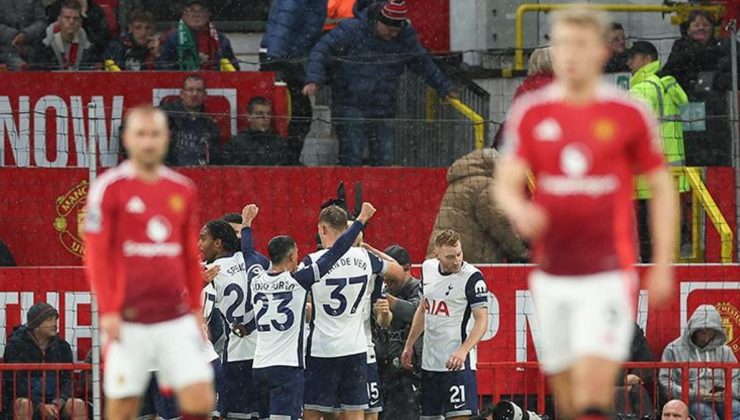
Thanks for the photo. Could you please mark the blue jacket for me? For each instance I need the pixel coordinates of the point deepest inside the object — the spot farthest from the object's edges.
(129, 56)
(293, 27)
(365, 69)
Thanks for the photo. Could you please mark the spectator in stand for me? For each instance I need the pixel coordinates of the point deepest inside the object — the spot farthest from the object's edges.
(618, 44)
(93, 22)
(703, 341)
(401, 298)
(36, 393)
(6, 257)
(259, 144)
(665, 98)
(539, 75)
(196, 44)
(22, 24)
(293, 28)
(696, 52)
(194, 134)
(469, 208)
(675, 410)
(136, 50)
(66, 45)
(368, 55)
(631, 398)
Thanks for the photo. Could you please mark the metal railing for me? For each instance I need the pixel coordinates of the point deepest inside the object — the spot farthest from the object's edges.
(519, 63)
(701, 199)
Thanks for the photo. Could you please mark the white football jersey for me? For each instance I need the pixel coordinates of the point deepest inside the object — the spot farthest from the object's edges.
(232, 300)
(339, 301)
(279, 306)
(208, 295)
(448, 300)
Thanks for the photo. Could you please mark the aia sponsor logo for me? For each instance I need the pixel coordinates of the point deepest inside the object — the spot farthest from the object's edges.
(436, 307)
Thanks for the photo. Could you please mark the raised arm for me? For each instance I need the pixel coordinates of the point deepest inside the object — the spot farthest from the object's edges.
(329, 46)
(249, 212)
(422, 64)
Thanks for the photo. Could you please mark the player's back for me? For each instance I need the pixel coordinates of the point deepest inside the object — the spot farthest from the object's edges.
(339, 300)
(147, 225)
(584, 159)
(279, 303)
(447, 311)
(232, 291)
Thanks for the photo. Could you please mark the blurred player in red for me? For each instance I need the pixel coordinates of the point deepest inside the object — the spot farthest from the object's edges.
(142, 261)
(584, 141)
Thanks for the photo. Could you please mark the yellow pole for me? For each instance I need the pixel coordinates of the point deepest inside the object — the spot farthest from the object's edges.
(640, 8)
(479, 124)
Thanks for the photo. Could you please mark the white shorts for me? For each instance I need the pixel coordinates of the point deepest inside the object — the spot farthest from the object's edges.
(176, 349)
(579, 316)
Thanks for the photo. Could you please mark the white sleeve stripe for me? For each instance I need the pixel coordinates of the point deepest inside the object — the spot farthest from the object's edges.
(98, 188)
(478, 305)
(384, 269)
(316, 272)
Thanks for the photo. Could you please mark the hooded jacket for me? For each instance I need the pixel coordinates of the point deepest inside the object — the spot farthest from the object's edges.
(22, 348)
(665, 97)
(50, 54)
(365, 69)
(469, 208)
(683, 349)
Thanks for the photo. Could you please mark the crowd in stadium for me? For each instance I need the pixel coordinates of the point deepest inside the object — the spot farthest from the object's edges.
(362, 58)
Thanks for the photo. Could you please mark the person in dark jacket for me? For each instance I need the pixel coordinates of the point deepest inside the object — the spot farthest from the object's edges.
(696, 52)
(618, 44)
(22, 24)
(400, 298)
(631, 397)
(93, 22)
(136, 50)
(37, 393)
(196, 44)
(293, 28)
(193, 134)
(66, 45)
(259, 144)
(367, 56)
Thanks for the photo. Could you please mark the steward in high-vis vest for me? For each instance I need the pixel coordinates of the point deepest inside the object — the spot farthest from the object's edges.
(665, 97)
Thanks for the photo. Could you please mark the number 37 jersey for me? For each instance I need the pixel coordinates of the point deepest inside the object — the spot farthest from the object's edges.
(338, 303)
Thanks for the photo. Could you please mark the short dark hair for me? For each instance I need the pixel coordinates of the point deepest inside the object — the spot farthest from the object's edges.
(232, 218)
(220, 229)
(280, 247)
(139, 15)
(257, 100)
(616, 26)
(193, 76)
(334, 216)
(71, 4)
(700, 13)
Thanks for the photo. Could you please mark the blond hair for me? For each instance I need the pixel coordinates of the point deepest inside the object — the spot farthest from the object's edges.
(582, 15)
(539, 62)
(447, 237)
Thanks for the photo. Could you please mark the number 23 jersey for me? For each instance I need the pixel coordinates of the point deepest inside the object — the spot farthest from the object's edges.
(338, 303)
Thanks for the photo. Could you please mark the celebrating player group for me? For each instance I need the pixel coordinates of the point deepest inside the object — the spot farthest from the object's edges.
(297, 341)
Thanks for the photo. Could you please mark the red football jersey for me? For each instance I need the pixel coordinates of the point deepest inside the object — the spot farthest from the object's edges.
(141, 249)
(584, 159)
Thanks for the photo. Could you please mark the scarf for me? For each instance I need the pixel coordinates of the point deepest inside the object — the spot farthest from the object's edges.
(69, 58)
(188, 54)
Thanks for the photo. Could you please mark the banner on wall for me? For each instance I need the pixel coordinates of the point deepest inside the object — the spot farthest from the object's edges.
(512, 325)
(47, 123)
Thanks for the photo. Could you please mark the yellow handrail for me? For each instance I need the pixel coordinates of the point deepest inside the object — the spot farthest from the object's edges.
(479, 124)
(700, 192)
(525, 8)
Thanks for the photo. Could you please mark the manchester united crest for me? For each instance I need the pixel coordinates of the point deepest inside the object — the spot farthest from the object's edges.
(731, 323)
(604, 129)
(69, 222)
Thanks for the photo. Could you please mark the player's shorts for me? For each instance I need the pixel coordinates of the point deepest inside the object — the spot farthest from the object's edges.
(336, 382)
(579, 316)
(374, 394)
(174, 348)
(448, 394)
(158, 405)
(279, 392)
(236, 394)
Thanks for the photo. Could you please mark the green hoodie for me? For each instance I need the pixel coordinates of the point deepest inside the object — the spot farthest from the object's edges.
(683, 349)
(665, 97)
